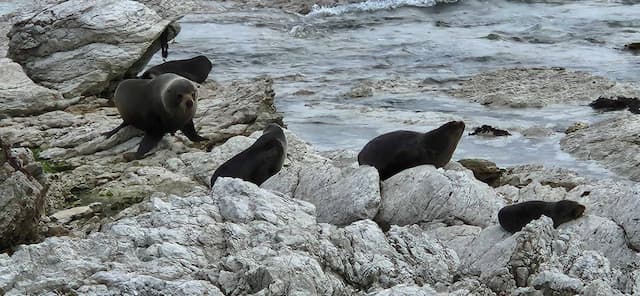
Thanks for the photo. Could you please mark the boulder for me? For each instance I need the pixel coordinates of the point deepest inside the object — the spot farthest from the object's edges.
(614, 143)
(79, 47)
(19, 96)
(424, 193)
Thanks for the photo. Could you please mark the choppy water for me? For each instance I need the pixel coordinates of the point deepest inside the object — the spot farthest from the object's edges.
(332, 50)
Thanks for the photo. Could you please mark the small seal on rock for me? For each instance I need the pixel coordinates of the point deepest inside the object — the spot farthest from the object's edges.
(513, 217)
(393, 152)
(195, 69)
(164, 104)
(260, 161)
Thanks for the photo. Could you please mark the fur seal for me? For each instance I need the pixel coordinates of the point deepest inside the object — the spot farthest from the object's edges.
(164, 104)
(195, 69)
(513, 217)
(260, 161)
(393, 152)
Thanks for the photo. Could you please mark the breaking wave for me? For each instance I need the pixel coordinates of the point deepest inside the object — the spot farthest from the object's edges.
(372, 5)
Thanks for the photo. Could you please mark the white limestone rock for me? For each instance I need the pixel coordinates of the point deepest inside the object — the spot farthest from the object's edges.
(424, 193)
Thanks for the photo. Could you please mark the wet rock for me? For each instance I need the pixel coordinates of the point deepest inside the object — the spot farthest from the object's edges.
(489, 131)
(360, 91)
(424, 193)
(484, 170)
(22, 198)
(77, 47)
(576, 126)
(533, 87)
(19, 96)
(537, 132)
(615, 143)
(617, 103)
(633, 46)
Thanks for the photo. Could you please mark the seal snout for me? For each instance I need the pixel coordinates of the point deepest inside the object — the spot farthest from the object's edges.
(579, 211)
(189, 103)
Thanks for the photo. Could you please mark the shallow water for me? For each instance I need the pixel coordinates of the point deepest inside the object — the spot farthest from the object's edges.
(411, 54)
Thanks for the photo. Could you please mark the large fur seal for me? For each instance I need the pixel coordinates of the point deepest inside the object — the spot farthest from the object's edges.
(158, 106)
(195, 69)
(513, 217)
(393, 152)
(260, 161)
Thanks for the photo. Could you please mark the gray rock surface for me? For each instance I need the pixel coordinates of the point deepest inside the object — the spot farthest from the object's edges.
(19, 96)
(437, 194)
(538, 87)
(239, 240)
(78, 47)
(86, 167)
(614, 143)
(22, 196)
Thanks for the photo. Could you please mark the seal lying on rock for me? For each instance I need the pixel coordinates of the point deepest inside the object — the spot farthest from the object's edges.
(393, 152)
(260, 161)
(513, 217)
(164, 104)
(195, 69)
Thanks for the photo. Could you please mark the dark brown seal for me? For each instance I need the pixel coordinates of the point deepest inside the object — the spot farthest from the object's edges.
(161, 105)
(513, 217)
(195, 69)
(393, 152)
(260, 161)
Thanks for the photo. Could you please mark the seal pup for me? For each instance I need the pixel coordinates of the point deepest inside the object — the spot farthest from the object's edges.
(161, 105)
(195, 69)
(393, 152)
(260, 161)
(513, 217)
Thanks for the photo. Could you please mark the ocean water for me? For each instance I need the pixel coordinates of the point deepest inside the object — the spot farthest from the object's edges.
(410, 51)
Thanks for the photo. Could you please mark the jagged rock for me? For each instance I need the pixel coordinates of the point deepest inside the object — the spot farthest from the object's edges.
(87, 168)
(78, 47)
(523, 175)
(360, 91)
(171, 9)
(532, 87)
(21, 197)
(613, 200)
(556, 283)
(19, 96)
(238, 240)
(406, 290)
(484, 170)
(424, 193)
(615, 143)
(576, 127)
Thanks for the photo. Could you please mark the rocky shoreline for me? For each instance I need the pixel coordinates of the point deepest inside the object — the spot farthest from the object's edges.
(77, 219)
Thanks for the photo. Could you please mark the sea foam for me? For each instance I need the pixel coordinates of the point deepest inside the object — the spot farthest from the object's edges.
(372, 5)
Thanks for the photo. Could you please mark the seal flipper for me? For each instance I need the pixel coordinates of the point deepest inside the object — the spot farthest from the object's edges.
(189, 130)
(148, 142)
(115, 130)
